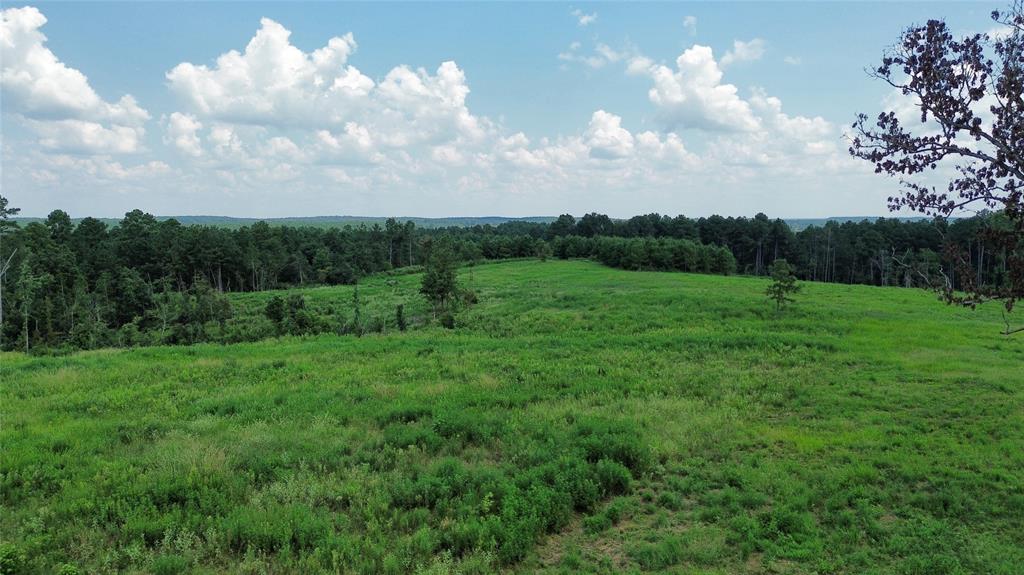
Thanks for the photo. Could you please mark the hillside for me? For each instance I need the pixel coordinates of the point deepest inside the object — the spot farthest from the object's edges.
(796, 224)
(578, 419)
(326, 221)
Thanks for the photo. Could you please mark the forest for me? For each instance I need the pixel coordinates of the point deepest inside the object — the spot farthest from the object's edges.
(84, 285)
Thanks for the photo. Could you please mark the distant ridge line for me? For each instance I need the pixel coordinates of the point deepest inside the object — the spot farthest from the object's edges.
(796, 224)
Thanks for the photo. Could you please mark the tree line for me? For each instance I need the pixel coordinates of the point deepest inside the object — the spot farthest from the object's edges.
(70, 284)
(882, 252)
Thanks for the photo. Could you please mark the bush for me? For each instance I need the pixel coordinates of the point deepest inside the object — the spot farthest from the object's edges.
(12, 561)
(613, 477)
(658, 556)
(170, 565)
(596, 523)
(447, 320)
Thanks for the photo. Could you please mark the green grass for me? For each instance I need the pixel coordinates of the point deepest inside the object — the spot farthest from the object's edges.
(578, 419)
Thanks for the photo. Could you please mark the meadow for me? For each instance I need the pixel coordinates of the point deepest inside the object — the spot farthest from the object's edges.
(577, 419)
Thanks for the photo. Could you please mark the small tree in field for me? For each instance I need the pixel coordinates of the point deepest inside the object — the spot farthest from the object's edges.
(439, 283)
(400, 317)
(783, 284)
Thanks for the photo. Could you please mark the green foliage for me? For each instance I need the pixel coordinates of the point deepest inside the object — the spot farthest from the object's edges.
(439, 284)
(170, 565)
(12, 560)
(356, 327)
(400, 317)
(581, 419)
(275, 310)
(783, 284)
(638, 254)
(447, 319)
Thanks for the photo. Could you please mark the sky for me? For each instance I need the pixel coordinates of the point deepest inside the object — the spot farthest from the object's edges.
(262, 109)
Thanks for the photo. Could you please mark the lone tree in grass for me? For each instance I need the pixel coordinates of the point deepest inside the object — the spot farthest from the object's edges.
(783, 284)
(969, 121)
(439, 283)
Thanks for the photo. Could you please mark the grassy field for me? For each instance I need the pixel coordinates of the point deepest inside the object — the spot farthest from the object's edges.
(578, 419)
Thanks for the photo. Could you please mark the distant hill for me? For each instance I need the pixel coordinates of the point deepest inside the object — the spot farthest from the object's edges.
(796, 224)
(327, 221)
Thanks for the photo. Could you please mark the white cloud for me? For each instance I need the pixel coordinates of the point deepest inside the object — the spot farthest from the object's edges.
(693, 95)
(669, 151)
(602, 56)
(1000, 32)
(277, 86)
(748, 132)
(103, 168)
(573, 55)
(82, 137)
(274, 104)
(608, 53)
(812, 136)
(273, 82)
(792, 60)
(690, 23)
(181, 131)
(639, 65)
(743, 52)
(607, 138)
(57, 100)
(413, 130)
(273, 113)
(583, 18)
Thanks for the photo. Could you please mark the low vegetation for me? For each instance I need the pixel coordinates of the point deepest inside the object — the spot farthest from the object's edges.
(578, 418)
(66, 286)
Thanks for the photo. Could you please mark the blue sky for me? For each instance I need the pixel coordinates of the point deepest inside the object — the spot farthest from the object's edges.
(446, 108)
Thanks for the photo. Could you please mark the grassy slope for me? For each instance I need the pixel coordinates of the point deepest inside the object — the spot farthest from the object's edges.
(866, 430)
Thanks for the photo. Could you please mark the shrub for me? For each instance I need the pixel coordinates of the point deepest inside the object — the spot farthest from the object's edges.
(447, 320)
(400, 317)
(12, 561)
(596, 523)
(170, 565)
(660, 555)
(613, 477)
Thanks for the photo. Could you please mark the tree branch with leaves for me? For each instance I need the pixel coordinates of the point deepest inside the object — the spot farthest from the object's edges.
(970, 95)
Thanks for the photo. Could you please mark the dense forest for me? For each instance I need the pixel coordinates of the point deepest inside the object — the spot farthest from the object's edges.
(76, 285)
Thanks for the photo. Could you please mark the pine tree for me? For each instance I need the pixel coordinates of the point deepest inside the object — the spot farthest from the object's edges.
(439, 282)
(783, 284)
(400, 317)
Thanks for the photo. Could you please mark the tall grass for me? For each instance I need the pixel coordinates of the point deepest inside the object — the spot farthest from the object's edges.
(578, 419)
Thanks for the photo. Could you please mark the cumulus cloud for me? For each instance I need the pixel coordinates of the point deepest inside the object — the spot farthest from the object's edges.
(339, 114)
(81, 137)
(693, 95)
(413, 129)
(743, 52)
(57, 100)
(270, 113)
(813, 136)
(274, 82)
(606, 137)
(103, 168)
(752, 131)
(181, 131)
(582, 18)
